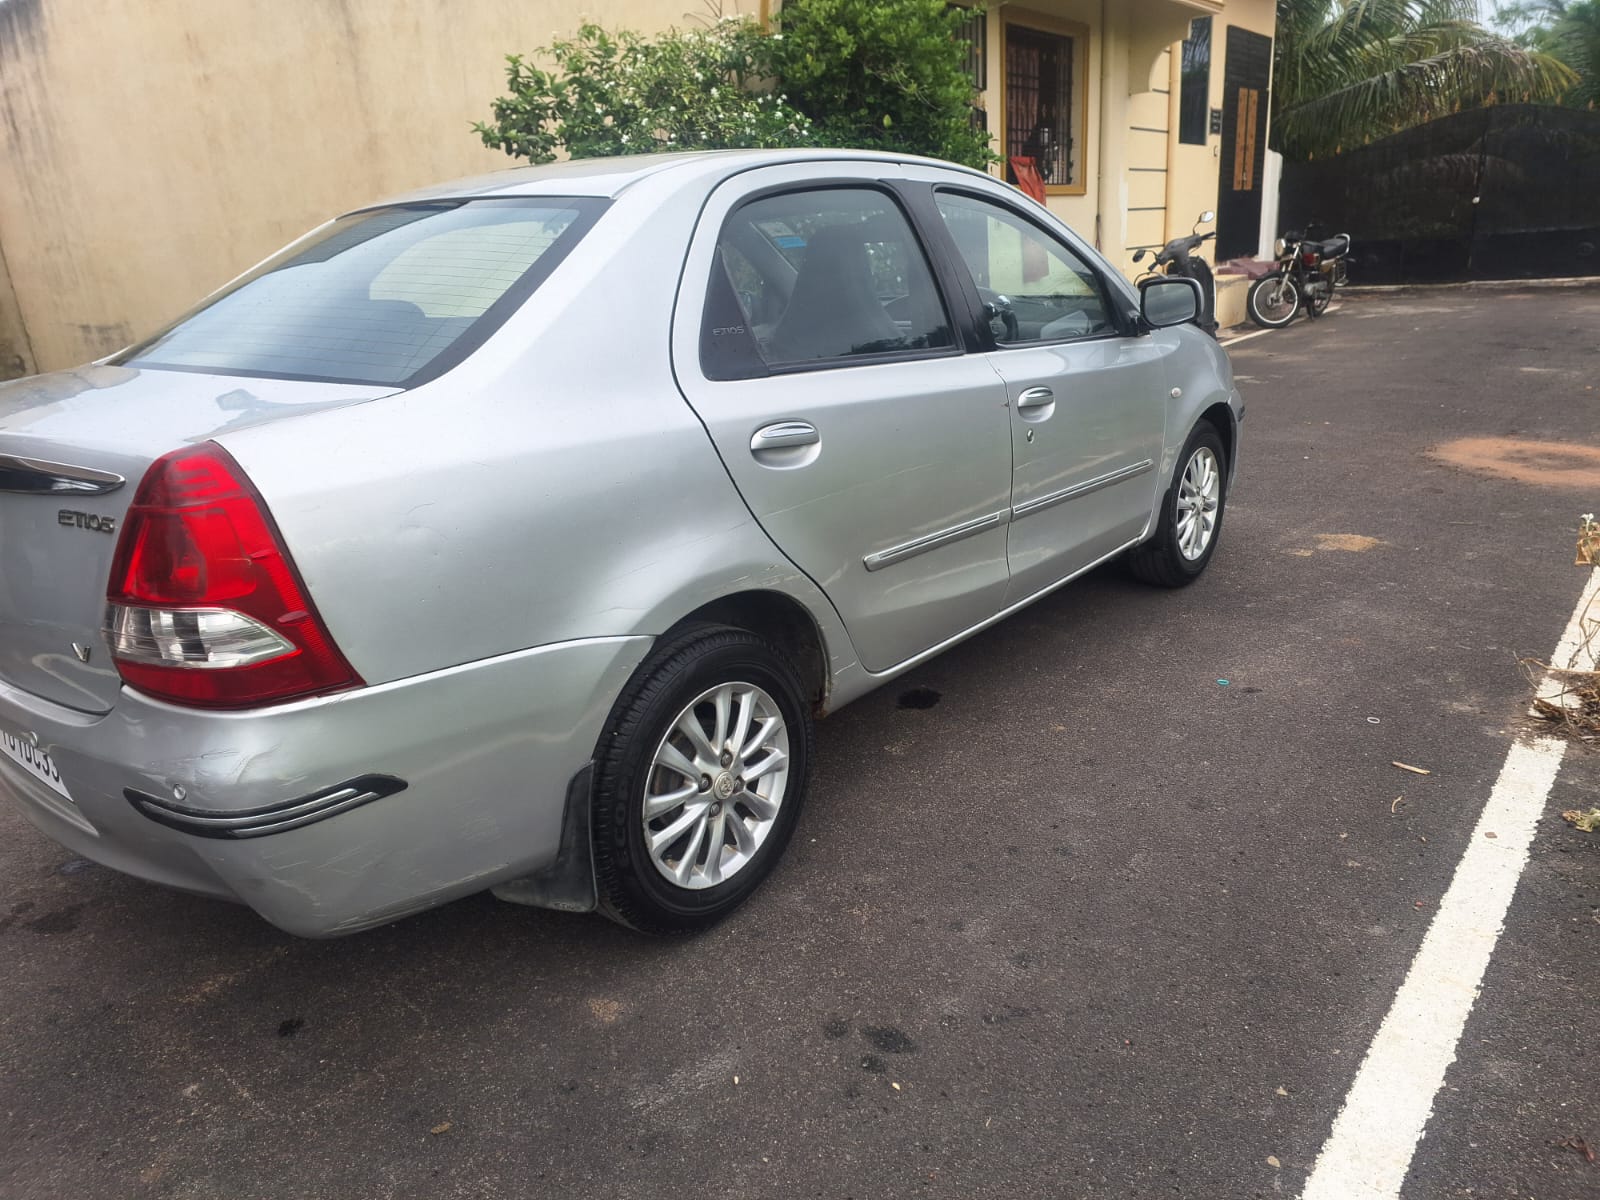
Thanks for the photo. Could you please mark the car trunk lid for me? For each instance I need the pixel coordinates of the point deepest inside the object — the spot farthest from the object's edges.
(73, 448)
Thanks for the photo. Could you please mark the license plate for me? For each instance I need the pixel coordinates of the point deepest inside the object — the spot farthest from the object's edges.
(34, 761)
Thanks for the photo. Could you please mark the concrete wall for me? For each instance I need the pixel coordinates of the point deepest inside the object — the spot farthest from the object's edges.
(16, 355)
(150, 150)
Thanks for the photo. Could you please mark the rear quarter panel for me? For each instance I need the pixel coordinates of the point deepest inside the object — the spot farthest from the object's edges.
(553, 486)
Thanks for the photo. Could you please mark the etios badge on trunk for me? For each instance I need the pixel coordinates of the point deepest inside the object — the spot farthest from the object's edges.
(83, 520)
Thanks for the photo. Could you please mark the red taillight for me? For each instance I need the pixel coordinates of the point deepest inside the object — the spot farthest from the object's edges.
(204, 607)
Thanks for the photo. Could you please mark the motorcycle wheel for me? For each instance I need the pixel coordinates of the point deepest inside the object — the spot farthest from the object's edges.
(1273, 301)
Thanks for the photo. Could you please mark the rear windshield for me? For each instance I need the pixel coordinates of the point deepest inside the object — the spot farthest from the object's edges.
(387, 296)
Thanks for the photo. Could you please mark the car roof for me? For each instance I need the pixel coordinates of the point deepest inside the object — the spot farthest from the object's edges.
(609, 177)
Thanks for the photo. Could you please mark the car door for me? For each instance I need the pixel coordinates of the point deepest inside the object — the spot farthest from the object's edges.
(814, 344)
(1087, 391)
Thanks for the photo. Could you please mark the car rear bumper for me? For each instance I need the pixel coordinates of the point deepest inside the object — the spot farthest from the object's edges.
(295, 811)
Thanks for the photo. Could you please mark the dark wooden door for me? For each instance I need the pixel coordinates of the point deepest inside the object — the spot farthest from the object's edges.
(1245, 75)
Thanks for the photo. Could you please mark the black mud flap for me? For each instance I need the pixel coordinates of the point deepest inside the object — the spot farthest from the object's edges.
(567, 884)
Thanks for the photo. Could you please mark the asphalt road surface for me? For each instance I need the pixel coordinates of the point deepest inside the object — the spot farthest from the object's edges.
(1090, 924)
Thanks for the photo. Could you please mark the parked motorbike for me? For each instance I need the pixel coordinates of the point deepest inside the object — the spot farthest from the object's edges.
(1306, 276)
(1178, 257)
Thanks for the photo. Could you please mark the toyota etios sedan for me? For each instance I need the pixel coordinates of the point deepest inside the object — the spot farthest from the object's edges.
(509, 535)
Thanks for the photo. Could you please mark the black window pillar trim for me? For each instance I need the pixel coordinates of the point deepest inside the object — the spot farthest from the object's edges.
(951, 276)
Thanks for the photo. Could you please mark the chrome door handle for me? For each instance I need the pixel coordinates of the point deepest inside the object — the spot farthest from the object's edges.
(1036, 397)
(784, 435)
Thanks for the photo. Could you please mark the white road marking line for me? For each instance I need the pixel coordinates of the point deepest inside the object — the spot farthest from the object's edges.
(1245, 337)
(1572, 639)
(1376, 1133)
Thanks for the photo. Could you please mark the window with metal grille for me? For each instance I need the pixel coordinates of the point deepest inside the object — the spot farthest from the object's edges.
(974, 34)
(1040, 121)
(1194, 86)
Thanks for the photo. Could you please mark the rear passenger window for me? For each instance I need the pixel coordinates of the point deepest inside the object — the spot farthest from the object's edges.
(817, 278)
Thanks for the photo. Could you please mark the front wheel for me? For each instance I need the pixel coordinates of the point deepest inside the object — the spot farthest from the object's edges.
(699, 779)
(1273, 301)
(1191, 515)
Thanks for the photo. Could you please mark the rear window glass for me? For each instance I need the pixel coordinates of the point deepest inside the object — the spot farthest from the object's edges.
(389, 296)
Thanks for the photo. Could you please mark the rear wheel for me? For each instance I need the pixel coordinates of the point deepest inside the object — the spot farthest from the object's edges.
(1273, 301)
(1191, 515)
(699, 780)
(1318, 298)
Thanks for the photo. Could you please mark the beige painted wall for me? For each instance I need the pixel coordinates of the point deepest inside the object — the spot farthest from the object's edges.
(150, 150)
(16, 355)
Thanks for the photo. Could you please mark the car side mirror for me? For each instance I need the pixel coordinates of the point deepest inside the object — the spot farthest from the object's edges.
(1170, 300)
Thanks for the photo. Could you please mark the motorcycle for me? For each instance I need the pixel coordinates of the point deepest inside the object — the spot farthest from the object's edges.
(1306, 276)
(1178, 257)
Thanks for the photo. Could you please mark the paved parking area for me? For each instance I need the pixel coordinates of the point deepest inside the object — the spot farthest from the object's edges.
(1092, 925)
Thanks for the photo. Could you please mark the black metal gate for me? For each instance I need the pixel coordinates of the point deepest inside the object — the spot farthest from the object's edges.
(1245, 74)
(1507, 192)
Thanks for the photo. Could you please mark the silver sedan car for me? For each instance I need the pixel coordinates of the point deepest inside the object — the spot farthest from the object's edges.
(511, 534)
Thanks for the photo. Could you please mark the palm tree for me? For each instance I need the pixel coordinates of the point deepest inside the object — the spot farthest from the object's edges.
(1577, 43)
(1568, 29)
(1350, 71)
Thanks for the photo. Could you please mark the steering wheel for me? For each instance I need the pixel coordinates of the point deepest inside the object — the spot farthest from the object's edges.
(997, 308)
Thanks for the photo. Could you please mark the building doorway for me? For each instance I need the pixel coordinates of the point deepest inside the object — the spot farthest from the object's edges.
(1247, 71)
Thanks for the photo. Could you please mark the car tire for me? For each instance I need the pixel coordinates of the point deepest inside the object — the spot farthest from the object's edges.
(674, 854)
(1176, 555)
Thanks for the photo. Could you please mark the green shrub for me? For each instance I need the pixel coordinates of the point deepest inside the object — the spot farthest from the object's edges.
(885, 74)
(623, 94)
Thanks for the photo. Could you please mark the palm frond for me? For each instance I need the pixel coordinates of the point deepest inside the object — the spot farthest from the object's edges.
(1349, 71)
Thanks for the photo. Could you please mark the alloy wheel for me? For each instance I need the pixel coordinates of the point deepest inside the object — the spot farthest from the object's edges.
(715, 785)
(1199, 495)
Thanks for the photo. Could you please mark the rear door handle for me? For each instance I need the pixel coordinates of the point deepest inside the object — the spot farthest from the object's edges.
(1036, 397)
(783, 435)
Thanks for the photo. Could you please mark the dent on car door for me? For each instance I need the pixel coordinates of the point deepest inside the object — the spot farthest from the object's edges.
(826, 368)
(1087, 393)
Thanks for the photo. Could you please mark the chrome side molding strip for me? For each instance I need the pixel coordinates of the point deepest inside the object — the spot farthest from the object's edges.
(1040, 503)
(932, 541)
(34, 476)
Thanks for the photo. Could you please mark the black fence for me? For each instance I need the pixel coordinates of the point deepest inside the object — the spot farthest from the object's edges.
(1508, 192)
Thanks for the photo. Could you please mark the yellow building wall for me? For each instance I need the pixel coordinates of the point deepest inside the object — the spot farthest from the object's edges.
(150, 150)
(1196, 170)
(1077, 17)
(1143, 187)
(1148, 127)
